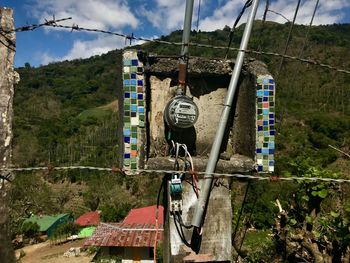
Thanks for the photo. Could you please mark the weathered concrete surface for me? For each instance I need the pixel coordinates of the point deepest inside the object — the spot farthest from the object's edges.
(170, 66)
(7, 78)
(216, 236)
(161, 93)
(235, 164)
(208, 80)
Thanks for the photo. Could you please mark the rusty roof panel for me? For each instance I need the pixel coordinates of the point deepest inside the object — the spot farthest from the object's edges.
(124, 235)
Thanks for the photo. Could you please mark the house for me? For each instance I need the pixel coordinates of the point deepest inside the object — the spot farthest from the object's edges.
(91, 218)
(133, 240)
(88, 223)
(49, 223)
(145, 215)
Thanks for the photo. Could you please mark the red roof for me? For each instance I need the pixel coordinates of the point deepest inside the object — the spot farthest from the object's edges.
(125, 235)
(88, 219)
(145, 215)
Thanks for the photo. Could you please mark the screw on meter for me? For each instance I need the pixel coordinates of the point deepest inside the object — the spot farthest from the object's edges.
(181, 112)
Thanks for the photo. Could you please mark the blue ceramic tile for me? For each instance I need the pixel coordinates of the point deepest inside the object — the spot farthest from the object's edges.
(127, 62)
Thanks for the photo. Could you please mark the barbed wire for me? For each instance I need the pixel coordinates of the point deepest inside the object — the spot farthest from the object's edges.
(35, 26)
(136, 172)
(75, 27)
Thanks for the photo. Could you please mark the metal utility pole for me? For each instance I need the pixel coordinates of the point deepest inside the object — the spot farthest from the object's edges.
(7, 78)
(198, 218)
(185, 42)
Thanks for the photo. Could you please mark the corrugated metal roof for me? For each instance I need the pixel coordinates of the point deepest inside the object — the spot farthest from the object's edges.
(145, 215)
(91, 218)
(125, 235)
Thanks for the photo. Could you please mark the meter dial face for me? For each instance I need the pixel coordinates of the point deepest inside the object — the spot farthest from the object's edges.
(181, 112)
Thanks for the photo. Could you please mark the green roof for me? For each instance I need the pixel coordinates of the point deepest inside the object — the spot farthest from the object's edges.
(46, 221)
(86, 231)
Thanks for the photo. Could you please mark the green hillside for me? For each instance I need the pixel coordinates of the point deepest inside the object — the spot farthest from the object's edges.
(66, 114)
(56, 103)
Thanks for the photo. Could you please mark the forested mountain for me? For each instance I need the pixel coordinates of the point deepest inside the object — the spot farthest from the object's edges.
(66, 114)
(58, 107)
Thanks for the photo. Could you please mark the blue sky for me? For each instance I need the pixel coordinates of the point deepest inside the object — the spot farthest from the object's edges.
(144, 18)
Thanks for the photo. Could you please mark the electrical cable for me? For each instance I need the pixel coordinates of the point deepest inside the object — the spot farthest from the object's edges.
(279, 14)
(181, 222)
(305, 42)
(267, 4)
(288, 38)
(157, 226)
(240, 212)
(246, 5)
(198, 14)
(180, 231)
(246, 228)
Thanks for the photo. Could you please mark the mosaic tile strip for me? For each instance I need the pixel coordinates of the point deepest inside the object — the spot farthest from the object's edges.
(134, 110)
(265, 124)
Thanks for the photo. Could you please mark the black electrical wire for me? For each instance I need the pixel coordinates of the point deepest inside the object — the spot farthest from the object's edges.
(241, 212)
(198, 14)
(181, 222)
(246, 5)
(288, 38)
(180, 231)
(246, 228)
(160, 191)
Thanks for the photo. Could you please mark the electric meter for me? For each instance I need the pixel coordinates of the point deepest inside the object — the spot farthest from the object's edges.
(181, 112)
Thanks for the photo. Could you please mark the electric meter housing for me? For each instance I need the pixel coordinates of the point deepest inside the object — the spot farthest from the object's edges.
(181, 112)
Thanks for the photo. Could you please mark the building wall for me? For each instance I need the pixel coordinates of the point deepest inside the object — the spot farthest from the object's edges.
(132, 254)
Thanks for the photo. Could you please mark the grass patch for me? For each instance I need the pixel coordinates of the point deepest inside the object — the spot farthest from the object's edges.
(260, 245)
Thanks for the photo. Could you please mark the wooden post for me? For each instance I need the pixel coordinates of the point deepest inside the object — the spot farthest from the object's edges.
(7, 78)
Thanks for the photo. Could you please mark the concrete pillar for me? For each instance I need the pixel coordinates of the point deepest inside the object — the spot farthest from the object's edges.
(7, 78)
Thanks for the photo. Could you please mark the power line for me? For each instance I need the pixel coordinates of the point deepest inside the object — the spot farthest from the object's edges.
(279, 14)
(246, 5)
(75, 27)
(198, 14)
(308, 30)
(288, 38)
(160, 171)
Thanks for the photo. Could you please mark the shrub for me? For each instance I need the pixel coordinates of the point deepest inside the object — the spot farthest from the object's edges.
(30, 229)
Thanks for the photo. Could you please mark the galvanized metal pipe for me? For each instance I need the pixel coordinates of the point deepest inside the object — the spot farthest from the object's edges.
(185, 41)
(197, 220)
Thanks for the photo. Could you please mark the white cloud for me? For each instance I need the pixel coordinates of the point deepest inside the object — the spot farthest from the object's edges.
(328, 12)
(223, 15)
(167, 15)
(100, 14)
(114, 15)
(84, 49)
